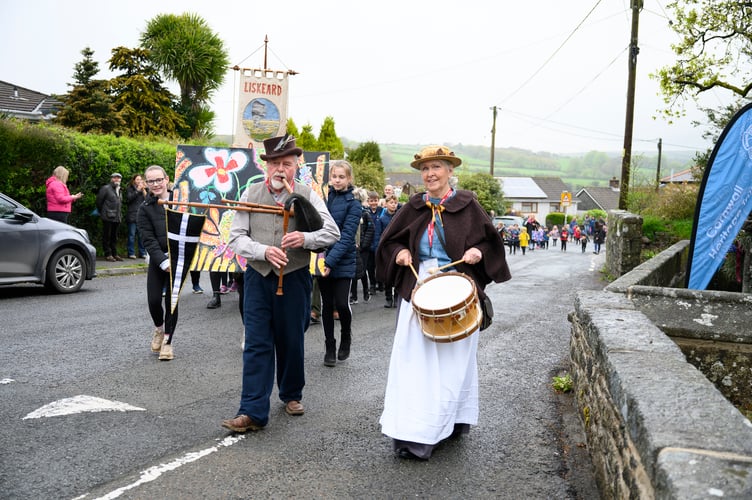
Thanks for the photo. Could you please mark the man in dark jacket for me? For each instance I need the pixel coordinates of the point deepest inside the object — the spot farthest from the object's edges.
(109, 205)
(135, 194)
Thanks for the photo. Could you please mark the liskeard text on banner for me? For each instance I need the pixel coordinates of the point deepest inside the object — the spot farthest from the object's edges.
(262, 106)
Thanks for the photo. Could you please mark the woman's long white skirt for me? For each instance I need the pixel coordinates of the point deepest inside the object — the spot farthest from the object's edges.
(431, 386)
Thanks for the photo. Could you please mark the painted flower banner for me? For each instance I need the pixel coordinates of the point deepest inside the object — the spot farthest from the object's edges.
(206, 175)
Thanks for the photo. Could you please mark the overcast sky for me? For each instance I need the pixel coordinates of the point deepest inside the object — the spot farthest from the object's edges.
(408, 71)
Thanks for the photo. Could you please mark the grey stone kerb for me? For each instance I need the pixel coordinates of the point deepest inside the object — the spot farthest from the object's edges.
(656, 426)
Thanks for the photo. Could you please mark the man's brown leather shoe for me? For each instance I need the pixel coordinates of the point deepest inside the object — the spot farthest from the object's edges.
(294, 408)
(241, 423)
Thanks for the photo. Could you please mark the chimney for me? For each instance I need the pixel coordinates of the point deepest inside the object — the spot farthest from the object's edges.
(614, 183)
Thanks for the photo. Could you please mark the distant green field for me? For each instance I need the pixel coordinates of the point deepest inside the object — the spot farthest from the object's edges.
(577, 171)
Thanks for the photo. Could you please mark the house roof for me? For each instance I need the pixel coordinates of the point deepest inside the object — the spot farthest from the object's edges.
(552, 186)
(521, 187)
(683, 176)
(602, 198)
(25, 103)
(399, 178)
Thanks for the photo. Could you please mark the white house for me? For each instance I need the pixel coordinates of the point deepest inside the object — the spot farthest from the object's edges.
(536, 195)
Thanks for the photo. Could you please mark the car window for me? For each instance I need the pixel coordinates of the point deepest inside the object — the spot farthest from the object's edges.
(6, 209)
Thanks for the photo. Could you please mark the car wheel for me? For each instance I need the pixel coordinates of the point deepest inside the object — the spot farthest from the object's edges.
(66, 271)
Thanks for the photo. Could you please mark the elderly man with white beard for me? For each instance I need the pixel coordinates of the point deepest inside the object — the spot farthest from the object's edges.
(275, 324)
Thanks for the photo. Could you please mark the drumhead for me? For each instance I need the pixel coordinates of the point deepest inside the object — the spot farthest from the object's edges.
(443, 291)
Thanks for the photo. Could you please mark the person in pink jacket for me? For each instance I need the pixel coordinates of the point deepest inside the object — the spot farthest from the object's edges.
(59, 199)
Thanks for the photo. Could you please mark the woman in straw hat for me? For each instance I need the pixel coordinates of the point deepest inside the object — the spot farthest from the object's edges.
(432, 387)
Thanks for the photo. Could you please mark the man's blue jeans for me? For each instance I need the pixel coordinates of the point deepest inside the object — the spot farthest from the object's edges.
(132, 235)
(274, 329)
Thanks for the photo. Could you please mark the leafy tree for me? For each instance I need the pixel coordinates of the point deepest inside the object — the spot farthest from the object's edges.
(714, 51)
(368, 174)
(367, 166)
(186, 49)
(487, 189)
(145, 105)
(366, 151)
(328, 140)
(88, 107)
(307, 140)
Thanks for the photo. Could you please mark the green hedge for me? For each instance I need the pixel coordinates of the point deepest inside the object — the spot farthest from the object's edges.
(31, 151)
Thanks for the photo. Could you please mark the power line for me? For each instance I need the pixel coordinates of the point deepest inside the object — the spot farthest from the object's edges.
(592, 80)
(545, 63)
(545, 123)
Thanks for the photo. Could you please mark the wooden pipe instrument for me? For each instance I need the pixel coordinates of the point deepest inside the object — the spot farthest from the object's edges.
(285, 224)
(264, 209)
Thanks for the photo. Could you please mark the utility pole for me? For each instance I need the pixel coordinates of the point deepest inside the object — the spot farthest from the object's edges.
(493, 140)
(629, 120)
(658, 170)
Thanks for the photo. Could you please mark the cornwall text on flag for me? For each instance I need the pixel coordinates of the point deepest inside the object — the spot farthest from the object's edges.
(724, 202)
(183, 234)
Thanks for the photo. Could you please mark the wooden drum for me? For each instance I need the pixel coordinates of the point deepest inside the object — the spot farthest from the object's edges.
(447, 306)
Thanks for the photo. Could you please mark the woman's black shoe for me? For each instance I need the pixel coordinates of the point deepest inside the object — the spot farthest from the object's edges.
(330, 357)
(407, 454)
(215, 301)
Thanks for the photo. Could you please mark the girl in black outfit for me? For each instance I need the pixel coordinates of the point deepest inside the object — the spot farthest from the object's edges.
(153, 229)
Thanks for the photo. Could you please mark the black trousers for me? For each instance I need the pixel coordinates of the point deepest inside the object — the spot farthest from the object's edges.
(58, 216)
(157, 281)
(109, 237)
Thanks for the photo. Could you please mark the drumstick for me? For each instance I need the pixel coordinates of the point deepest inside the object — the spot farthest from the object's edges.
(420, 281)
(434, 270)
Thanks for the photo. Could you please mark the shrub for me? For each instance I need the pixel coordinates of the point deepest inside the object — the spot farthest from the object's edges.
(31, 151)
(675, 201)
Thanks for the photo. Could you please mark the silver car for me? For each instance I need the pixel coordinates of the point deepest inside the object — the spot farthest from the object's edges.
(39, 250)
(508, 220)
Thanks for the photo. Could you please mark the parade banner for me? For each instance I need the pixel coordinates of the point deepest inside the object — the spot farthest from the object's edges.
(183, 232)
(724, 201)
(206, 175)
(262, 111)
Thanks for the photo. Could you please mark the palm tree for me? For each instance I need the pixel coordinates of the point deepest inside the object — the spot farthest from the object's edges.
(187, 51)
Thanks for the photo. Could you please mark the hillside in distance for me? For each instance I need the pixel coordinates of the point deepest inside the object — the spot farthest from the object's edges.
(593, 168)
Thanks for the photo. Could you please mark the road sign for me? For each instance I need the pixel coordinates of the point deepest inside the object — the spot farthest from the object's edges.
(566, 199)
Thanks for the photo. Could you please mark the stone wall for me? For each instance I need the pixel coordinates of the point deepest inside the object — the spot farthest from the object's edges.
(624, 242)
(656, 426)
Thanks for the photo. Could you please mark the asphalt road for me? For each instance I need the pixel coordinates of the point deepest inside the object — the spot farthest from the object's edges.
(169, 444)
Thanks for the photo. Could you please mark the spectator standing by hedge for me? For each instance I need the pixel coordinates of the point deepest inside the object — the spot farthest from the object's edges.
(109, 204)
(59, 199)
(135, 195)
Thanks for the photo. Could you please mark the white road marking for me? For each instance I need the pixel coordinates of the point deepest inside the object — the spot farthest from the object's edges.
(152, 473)
(80, 404)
